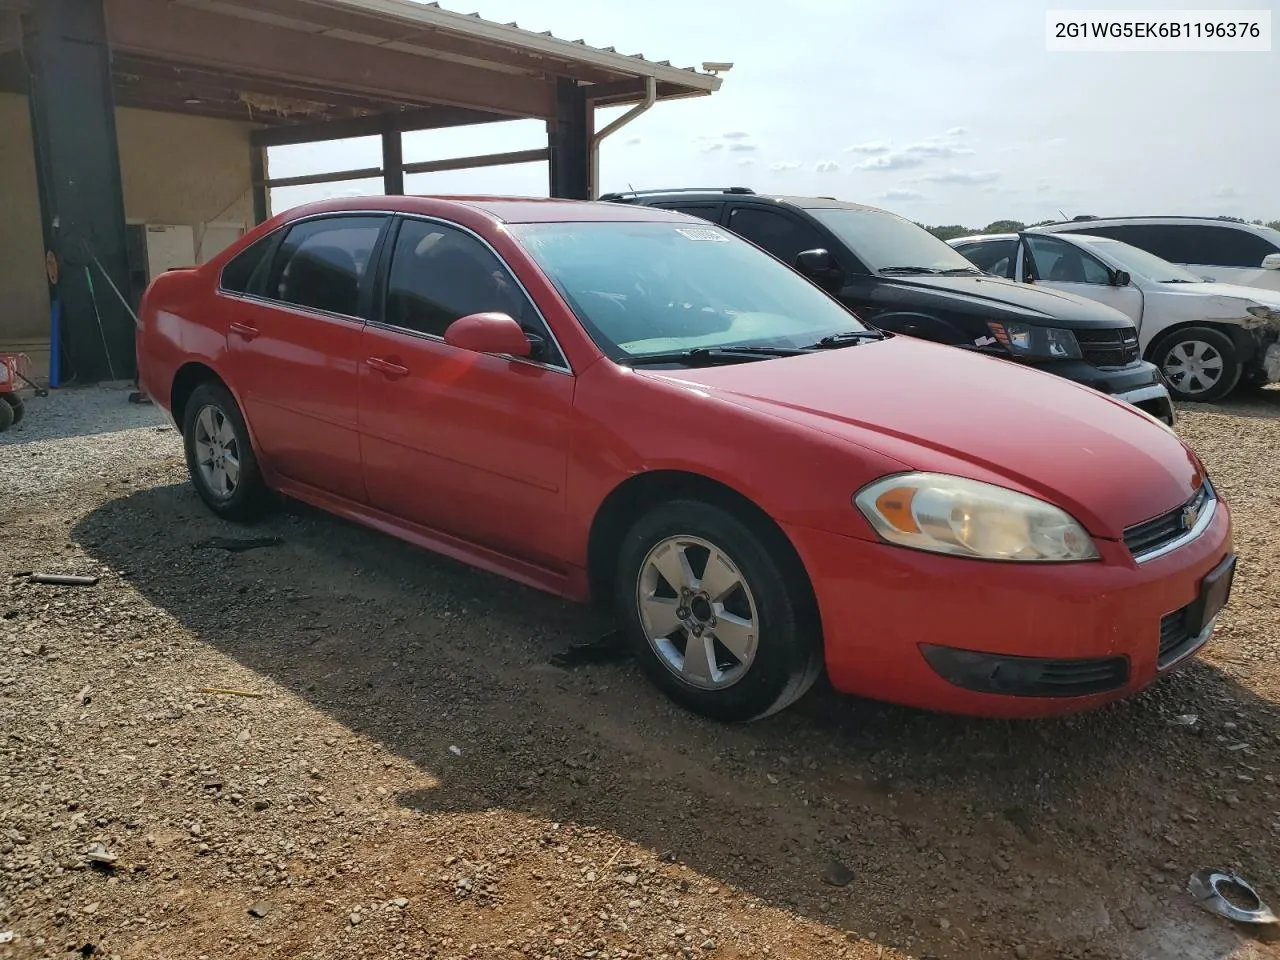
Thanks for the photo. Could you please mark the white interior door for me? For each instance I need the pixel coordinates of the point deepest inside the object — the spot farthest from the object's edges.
(169, 246)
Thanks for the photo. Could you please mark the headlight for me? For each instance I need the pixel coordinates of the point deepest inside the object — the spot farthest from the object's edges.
(1025, 340)
(966, 518)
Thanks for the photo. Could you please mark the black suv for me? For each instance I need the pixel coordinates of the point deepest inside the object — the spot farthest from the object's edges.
(897, 276)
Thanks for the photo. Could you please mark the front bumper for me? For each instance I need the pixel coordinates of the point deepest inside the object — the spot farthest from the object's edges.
(1139, 383)
(886, 610)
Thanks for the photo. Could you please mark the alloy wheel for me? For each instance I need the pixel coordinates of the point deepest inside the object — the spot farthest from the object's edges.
(217, 452)
(698, 612)
(1194, 366)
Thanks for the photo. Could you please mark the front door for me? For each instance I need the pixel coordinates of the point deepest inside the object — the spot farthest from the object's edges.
(467, 444)
(1059, 265)
(293, 345)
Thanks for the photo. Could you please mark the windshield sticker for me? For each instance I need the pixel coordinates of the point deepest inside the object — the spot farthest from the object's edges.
(702, 233)
(984, 341)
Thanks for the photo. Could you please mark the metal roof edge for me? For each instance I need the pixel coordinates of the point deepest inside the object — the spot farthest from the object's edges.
(475, 27)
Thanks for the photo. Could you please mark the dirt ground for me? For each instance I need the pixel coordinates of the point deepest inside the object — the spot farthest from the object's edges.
(414, 776)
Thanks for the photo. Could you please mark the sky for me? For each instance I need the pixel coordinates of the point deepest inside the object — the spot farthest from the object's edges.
(941, 111)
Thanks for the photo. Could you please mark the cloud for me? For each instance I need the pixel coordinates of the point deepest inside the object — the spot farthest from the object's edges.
(963, 176)
(900, 194)
(633, 141)
(1055, 141)
(826, 166)
(891, 161)
(785, 165)
(736, 135)
(1226, 192)
(742, 147)
(870, 148)
(1043, 186)
(880, 156)
(711, 147)
(746, 162)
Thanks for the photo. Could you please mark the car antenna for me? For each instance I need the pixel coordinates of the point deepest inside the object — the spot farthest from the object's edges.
(1061, 214)
(631, 188)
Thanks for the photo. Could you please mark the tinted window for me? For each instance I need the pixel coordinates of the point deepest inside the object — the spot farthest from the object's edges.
(775, 232)
(707, 211)
(321, 263)
(245, 272)
(991, 255)
(886, 241)
(440, 274)
(1057, 260)
(1193, 244)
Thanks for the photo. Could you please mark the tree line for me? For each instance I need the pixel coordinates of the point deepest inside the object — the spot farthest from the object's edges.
(953, 230)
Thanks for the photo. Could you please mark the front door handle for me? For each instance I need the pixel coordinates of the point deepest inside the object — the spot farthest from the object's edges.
(244, 330)
(392, 371)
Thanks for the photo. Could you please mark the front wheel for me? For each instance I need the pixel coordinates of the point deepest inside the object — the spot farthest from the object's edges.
(719, 620)
(220, 457)
(1200, 364)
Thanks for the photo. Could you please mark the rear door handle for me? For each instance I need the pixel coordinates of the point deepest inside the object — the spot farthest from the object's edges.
(392, 371)
(244, 330)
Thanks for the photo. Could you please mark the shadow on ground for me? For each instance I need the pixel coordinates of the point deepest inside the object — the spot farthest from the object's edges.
(1060, 833)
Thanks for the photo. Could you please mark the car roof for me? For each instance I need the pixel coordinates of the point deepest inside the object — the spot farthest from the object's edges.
(495, 208)
(640, 197)
(1154, 220)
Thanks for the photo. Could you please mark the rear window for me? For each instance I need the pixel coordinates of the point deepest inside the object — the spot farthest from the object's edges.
(246, 272)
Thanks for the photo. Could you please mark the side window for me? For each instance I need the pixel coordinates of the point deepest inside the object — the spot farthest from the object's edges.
(246, 271)
(440, 274)
(991, 255)
(322, 263)
(1226, 247)
(775, 232)
(1057, 260)
(706, 211)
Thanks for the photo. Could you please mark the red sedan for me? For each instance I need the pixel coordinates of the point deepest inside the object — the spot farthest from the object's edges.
(630, 404)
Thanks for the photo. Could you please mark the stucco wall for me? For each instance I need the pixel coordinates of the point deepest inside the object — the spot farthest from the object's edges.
(176, 170)
(24, 300)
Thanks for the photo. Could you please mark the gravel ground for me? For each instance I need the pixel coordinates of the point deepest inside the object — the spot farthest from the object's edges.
(341, 746)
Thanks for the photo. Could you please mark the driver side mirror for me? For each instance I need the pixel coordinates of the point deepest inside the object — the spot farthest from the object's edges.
(820, 267)
(1271, 261)
(488, 333)
(1120, 278)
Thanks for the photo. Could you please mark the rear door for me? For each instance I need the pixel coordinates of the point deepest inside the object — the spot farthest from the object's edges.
(466, 444)
(293, 344)
(776, 231)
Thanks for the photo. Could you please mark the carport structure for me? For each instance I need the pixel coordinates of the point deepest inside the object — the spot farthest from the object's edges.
(285, 72)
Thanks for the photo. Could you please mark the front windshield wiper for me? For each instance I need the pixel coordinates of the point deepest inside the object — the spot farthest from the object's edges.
(929, 270)
(708, 356)
(956, 271)
(1179, 281)
(848, 338)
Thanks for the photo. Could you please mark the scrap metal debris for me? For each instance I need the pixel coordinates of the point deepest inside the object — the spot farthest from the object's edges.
(234, 545)
(1229, 896)
(607, 649)
(231, 693)
(63, 579)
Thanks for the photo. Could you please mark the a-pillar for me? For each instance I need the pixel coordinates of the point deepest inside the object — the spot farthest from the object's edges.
(78, 167)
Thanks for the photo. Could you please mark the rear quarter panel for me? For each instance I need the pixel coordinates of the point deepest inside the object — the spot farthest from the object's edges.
(182, 321)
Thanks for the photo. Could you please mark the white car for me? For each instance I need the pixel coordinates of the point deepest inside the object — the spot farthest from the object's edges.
(1206, 337)
(1212, 247)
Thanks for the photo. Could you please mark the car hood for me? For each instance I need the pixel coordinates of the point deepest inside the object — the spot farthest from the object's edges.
(1035, 302)
(1230, 295)
(937, 408)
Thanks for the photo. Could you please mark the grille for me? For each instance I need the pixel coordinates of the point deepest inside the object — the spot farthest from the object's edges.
(1108, 348)
(1155, 533)
(1175, 635)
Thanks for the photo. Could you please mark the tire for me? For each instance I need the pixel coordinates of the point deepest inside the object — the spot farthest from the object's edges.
(1189, 357)
(17, 406)
(244, 497)
(7, 416)
(772, 652)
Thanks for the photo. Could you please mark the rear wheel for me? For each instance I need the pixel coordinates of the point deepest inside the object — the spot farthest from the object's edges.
(1200, 364)
(19, 408)
(719, 621)
(220, 457)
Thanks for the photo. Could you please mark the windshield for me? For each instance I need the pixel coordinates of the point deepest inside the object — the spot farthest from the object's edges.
(886, 242)
(643, 288)
(1143, 264)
